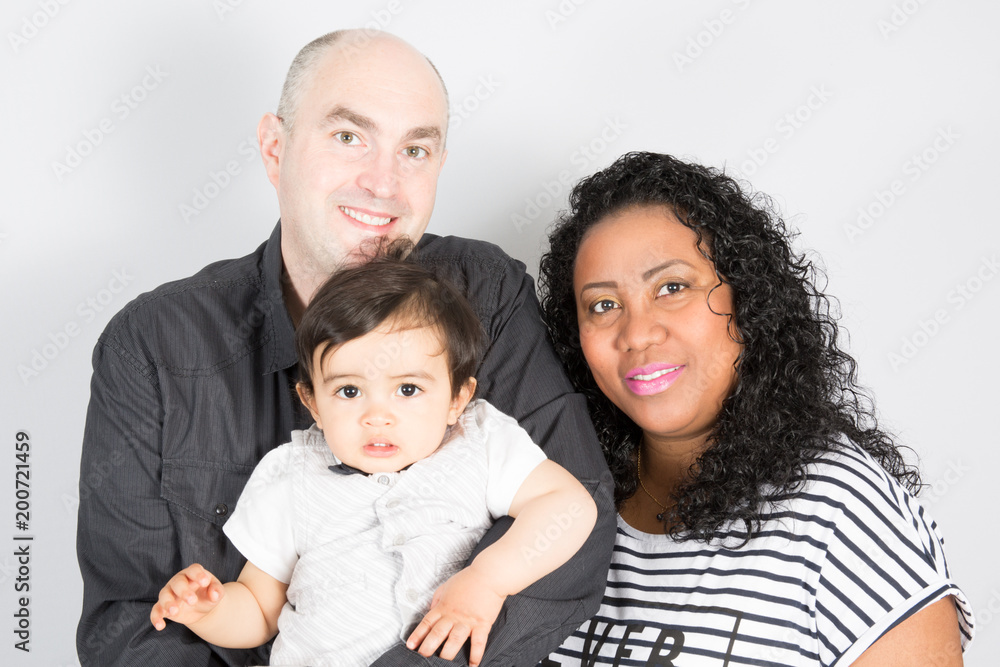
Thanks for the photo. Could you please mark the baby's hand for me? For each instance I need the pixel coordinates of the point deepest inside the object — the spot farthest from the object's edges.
(187, 598)
(465, 605)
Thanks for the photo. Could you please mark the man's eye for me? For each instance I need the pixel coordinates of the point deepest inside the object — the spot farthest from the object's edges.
(603, 306)
(348, 138)
(348, 391)
(416, 152)
(408, 390)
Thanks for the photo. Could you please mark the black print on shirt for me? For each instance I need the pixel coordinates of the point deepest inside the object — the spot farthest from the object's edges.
(649, 644)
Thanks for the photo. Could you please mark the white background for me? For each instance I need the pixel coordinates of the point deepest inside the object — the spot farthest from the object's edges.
(822, 105)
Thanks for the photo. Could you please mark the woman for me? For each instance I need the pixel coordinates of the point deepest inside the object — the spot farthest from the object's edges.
(764, 518)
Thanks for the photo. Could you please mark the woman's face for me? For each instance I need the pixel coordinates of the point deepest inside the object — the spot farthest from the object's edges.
(645, 302)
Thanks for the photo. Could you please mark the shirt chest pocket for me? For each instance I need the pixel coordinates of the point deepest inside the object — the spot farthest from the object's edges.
(205, 489)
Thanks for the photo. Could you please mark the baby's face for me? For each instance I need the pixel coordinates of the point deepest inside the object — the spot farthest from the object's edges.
(384, 400)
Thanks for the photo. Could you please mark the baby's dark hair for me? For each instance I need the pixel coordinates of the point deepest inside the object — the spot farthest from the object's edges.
(390, 286)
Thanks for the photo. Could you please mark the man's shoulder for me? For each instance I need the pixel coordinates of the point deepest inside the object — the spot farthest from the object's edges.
(212, 302)
(435, 250)
(487, 275)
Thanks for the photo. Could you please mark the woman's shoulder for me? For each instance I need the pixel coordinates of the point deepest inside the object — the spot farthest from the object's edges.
(848, 483)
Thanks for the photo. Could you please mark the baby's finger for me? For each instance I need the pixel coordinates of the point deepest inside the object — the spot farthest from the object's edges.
(182, 588)
(419, 632)
(456, 638)
(437, 634)
(156, 615)
(197, 574)
(479, 636)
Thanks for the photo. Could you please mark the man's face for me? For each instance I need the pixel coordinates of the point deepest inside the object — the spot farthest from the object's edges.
(363, 157)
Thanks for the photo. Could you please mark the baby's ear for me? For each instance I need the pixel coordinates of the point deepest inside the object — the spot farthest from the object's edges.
(461, 400)
(309, 400)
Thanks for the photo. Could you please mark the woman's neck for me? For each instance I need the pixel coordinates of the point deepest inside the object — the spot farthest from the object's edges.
(665, 465)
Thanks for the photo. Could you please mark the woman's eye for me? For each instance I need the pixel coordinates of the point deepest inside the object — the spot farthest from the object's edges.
(408, 390)
(348, 391)
(670, 288)
(347, 138)
(415, 152)
(603, 306)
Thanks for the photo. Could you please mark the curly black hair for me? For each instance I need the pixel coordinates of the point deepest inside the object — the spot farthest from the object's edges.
(796, 394)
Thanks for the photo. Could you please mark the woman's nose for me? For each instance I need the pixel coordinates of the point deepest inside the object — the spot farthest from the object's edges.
(642, 328)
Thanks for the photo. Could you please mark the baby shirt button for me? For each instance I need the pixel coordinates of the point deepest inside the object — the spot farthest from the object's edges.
(221, 509)
(392, 504)
(399, 541)
(411, 595)
(383, 479)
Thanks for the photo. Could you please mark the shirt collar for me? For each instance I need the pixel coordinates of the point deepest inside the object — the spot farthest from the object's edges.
(344, 469)
(283, 354)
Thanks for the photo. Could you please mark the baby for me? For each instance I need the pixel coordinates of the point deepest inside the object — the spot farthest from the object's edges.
(362, 524)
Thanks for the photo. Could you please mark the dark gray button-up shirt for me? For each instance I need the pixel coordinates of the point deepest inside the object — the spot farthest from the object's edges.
(194, 382)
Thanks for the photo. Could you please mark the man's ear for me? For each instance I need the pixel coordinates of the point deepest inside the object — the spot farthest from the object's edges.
(461, 400)
(309, 400)
(271, 137)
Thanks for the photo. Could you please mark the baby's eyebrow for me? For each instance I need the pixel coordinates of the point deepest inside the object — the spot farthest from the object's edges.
(420, 375)
(337, 377)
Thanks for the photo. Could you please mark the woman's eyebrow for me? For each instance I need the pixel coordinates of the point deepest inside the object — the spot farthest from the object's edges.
(607, 283)
(666, 265)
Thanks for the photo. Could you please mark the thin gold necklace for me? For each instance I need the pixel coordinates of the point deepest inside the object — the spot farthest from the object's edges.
(638, 474)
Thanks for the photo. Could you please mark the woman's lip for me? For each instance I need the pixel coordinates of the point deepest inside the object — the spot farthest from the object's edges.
(652, 379)
(650, 369)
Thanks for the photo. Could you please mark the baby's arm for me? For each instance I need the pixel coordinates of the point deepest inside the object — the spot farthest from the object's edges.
(240, 614)
(553, 515)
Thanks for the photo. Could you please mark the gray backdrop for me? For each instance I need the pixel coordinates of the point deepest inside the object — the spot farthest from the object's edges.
(130, 160)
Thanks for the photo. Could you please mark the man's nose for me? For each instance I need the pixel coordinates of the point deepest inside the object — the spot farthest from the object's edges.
(380, 175)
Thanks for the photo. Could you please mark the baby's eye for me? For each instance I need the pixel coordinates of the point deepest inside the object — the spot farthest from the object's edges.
(603, 306)
(670, 288)
(415, 152)
(348, 138)
(348, 391)
(408, 390)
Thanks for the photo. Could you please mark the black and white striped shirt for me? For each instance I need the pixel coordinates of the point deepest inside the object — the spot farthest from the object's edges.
(834, 567)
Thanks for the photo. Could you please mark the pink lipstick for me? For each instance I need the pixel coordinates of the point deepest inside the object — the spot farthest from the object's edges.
(653, 378)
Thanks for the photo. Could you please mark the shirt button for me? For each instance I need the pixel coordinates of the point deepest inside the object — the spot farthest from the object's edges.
(221, 509)
(399, 541)
(383, 479)
(411, 595)
(392, 504)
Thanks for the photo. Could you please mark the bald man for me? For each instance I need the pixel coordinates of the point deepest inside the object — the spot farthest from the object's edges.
(194, 382)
